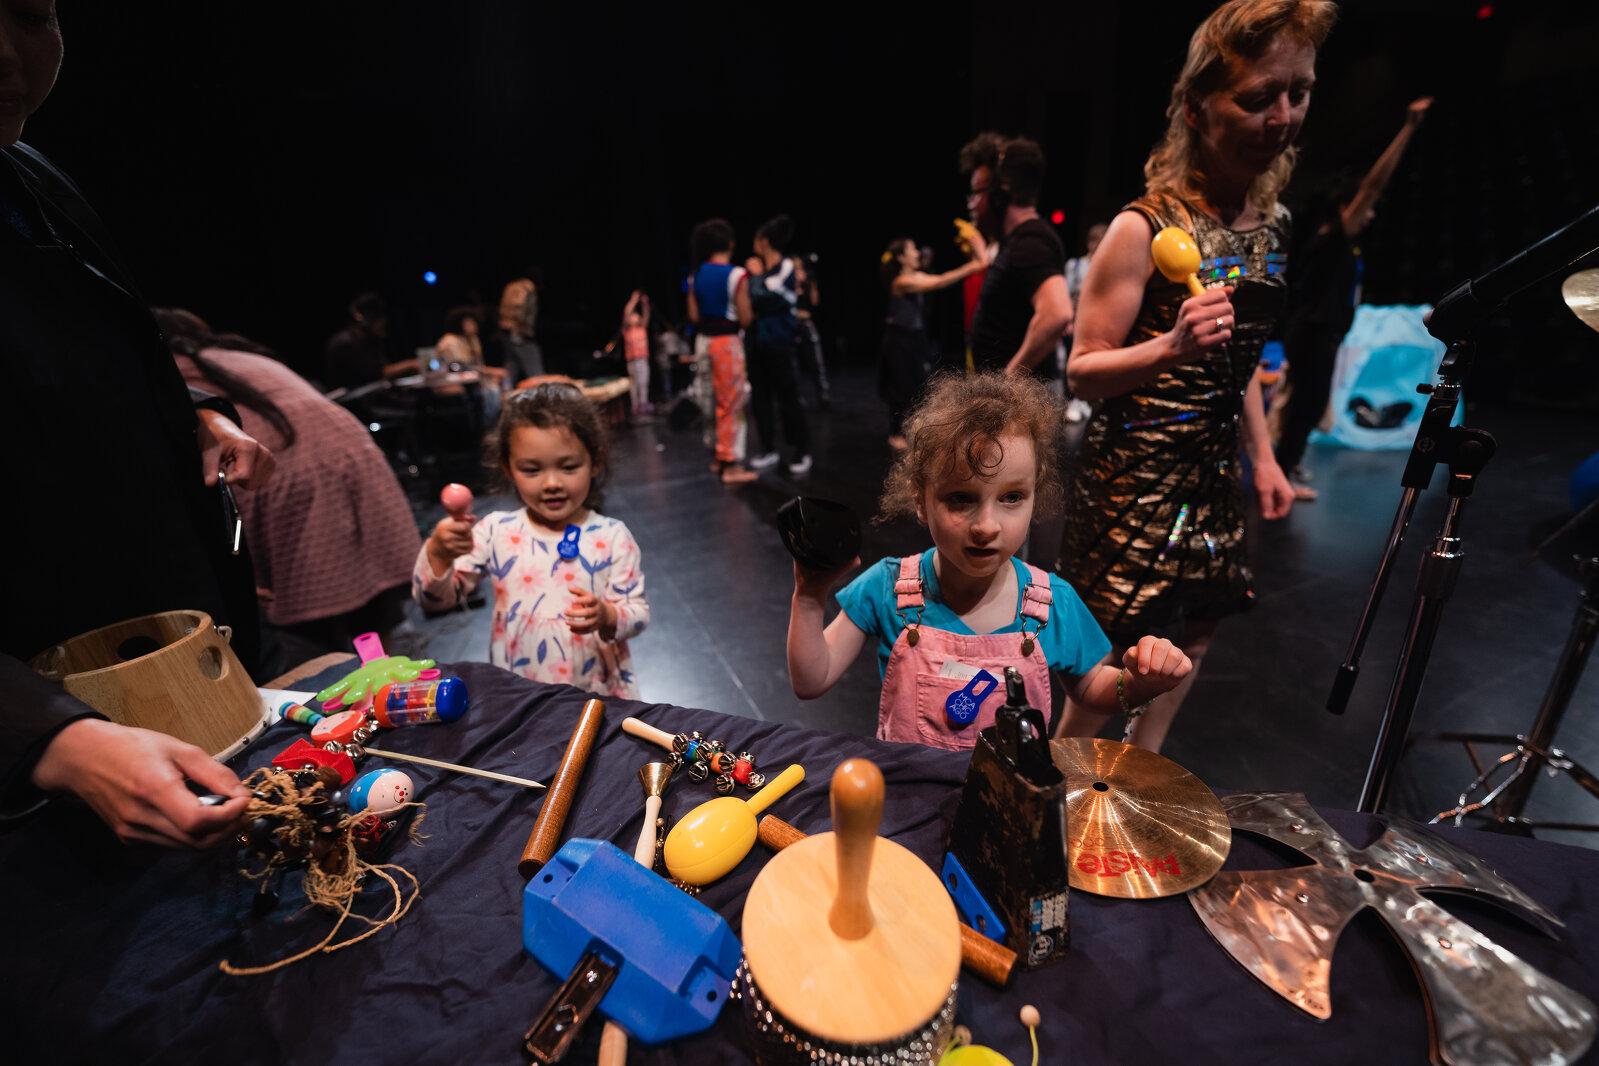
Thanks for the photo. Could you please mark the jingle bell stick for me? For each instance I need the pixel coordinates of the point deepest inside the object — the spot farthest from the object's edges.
(988, 959)
(545, 838)
(636, 727)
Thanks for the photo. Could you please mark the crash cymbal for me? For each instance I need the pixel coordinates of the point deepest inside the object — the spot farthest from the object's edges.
(1581, 293)
(1140, 826)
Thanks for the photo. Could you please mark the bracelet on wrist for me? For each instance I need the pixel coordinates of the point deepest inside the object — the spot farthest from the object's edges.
(1123, 682)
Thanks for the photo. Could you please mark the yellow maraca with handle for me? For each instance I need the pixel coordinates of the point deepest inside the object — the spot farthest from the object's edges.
(965, 235)
(715, 836)
(1177, 258)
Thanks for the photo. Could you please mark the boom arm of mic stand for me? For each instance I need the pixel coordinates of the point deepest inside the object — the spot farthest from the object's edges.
(1429, 449)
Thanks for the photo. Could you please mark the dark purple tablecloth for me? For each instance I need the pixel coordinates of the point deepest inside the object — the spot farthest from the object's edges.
(110, 953)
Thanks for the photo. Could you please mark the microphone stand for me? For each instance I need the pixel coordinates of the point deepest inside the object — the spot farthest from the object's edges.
(1465, 452)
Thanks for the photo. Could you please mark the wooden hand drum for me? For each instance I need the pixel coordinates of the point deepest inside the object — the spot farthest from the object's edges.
(172, 672)
(851, 944)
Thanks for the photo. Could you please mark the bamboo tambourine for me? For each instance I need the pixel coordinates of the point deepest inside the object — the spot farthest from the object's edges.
(851, 945)
(172, 672)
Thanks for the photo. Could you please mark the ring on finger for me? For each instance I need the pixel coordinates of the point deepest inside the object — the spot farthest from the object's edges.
(1221, 322)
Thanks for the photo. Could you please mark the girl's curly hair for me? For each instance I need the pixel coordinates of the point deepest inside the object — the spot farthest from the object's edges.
(955, 427)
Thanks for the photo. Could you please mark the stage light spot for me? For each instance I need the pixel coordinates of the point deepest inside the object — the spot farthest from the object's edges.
(430, 277)
(1057, 217)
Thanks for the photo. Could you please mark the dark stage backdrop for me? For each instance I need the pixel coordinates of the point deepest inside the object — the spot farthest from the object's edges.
(262, 163)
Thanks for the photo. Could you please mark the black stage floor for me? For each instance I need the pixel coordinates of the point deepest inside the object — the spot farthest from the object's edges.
(719, 582)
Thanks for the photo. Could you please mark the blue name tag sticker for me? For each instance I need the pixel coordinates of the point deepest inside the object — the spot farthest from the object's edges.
(567, 549)
(962, 708)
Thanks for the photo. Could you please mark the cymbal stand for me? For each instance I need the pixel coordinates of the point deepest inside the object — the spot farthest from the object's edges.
(1533, 751)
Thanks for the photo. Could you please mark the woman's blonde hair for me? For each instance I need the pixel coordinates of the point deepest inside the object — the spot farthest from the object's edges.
(1238, 29)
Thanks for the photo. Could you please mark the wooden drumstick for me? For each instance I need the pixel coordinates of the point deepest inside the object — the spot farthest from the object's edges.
(455, 768)
(644, 731)
(546, 835)
(988, 959)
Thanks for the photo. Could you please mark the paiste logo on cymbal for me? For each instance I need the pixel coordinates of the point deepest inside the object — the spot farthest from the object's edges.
(1124, 863)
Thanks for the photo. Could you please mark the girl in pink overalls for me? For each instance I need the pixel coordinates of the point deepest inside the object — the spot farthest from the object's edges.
(981, 461)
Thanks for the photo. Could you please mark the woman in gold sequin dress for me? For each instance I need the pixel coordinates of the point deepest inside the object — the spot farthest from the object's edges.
(1154, 538)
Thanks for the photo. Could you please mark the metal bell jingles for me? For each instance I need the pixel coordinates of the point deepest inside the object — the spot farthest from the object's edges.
(355, 746)
(702, 759)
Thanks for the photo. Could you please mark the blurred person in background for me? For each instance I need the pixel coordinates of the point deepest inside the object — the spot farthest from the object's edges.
(332, 536)
(906, 355)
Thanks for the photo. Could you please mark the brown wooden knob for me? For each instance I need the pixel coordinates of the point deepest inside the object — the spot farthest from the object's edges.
(857, 799)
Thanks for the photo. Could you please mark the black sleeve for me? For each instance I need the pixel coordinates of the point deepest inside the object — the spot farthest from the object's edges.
(1034, 259)
(32, 711)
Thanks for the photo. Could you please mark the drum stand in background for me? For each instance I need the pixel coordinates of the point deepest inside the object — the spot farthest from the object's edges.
(1502, 803)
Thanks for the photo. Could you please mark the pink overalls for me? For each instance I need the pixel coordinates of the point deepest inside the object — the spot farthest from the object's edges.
(917, 684)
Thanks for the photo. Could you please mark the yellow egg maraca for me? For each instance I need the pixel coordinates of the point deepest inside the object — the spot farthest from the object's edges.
(715, 836)
(1177, 258)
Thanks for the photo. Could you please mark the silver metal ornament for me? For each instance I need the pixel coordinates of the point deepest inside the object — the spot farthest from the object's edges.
(1486, 1005)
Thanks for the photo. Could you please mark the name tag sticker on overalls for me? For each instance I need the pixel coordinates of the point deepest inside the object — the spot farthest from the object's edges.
(962, 707)
(957, 669)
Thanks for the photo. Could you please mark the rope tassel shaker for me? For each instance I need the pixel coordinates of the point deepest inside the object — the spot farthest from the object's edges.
(299, 818)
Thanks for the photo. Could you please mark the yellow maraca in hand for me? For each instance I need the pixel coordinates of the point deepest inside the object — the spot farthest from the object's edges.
(965, 235)
(1177, 258)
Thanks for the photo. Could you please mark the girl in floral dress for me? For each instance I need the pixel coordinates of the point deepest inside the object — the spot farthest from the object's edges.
(568, 589)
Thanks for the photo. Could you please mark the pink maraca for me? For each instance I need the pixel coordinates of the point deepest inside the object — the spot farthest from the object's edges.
(457, 500)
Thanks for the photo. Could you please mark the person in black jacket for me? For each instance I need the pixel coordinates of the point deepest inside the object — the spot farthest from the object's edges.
(111, 461)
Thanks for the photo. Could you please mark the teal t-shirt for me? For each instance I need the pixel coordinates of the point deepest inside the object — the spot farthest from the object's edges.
(1073, 643)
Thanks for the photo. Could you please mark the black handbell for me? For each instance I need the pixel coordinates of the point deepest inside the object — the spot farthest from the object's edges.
(820, 534)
